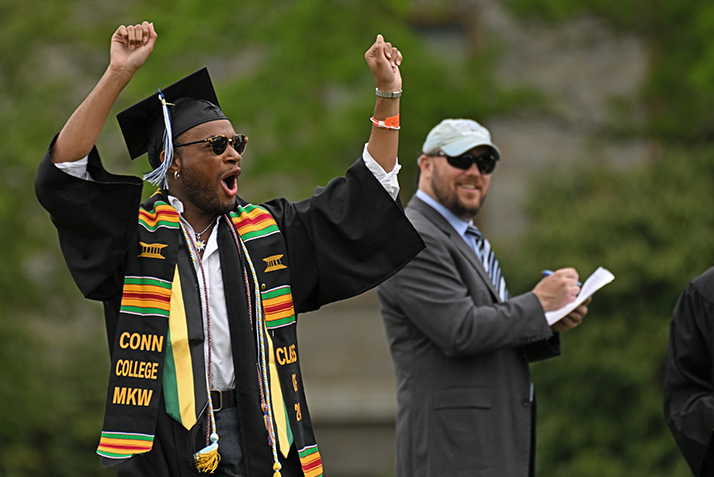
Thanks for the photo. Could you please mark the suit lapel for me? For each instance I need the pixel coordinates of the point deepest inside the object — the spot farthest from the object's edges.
(456, 240)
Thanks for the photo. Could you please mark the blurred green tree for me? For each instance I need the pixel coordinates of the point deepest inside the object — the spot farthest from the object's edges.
(680, 89)
(600, 404)
(601, 411)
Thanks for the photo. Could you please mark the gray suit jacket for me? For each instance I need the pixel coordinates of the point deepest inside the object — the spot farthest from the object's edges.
(461, 356)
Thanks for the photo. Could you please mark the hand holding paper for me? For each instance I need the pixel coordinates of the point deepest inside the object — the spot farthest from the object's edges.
(597, 280)
(558, 289)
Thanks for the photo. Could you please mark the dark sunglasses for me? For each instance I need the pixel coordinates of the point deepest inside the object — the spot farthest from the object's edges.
(220, 143)
(486, 163)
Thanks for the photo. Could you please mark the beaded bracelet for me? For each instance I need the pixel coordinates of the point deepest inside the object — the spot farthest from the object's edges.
(389, 123)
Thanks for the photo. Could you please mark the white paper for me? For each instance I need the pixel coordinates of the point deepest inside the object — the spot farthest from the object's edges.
(596, 281)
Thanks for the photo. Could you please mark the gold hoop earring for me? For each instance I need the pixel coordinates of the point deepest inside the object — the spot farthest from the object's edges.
(176, 174)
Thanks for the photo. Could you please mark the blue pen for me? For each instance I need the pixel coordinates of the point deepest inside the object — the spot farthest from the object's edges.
(547, 273)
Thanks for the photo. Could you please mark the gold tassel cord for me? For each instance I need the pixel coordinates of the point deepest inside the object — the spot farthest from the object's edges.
(262, 332)
(207, 459)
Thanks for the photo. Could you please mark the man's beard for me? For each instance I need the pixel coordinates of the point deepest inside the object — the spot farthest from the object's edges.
(197, 189)
(450, 200)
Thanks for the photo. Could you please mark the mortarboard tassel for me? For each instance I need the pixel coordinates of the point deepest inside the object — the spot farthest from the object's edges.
(158, 176)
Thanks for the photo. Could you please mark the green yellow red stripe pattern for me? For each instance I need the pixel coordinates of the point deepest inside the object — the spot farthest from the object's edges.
(146, 296)
(253, 222)
(178, 379)
(162, 215)
(280, 412)
(278, 307)
(310, 461)
(122, 445)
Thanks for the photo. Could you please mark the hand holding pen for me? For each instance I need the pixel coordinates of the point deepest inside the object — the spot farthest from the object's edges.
(557, 289)
(547, 273)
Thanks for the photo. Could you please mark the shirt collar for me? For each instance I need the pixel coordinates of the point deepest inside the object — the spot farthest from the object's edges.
(212, 244)
(176, 204)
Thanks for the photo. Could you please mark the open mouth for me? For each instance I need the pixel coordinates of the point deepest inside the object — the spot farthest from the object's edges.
(230, 183)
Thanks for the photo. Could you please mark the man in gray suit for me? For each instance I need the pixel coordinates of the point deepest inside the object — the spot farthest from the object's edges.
(461, 346)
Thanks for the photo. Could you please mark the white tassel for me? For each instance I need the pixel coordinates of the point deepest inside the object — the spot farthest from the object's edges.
(158, 176)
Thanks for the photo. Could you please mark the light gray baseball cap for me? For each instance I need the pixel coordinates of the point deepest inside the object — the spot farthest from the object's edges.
(456, 136)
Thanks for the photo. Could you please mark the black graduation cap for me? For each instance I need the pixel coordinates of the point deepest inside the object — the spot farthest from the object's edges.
(192, 101)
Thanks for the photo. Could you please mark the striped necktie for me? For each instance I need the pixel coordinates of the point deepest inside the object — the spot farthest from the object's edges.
(483, 250)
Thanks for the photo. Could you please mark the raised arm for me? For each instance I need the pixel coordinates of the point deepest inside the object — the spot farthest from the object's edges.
(384, 60)
(130, 47)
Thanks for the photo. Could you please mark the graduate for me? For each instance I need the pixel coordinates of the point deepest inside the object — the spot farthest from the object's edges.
(689, 382)
(201, 289)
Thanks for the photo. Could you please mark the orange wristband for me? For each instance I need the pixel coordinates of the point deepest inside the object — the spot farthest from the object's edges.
(389, 123)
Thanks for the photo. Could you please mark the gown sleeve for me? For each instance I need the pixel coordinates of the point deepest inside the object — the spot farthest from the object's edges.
(345, 239)
(688, 386)
(95, 221)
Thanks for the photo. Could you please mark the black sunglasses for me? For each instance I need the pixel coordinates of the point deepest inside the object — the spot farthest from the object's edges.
(486, 163)
(220, 143)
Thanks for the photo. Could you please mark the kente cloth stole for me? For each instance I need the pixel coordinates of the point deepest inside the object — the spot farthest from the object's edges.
(152, 350)
(141, 335)
(261, 236)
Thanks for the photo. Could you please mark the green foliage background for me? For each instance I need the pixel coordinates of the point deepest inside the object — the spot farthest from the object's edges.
(292, 76)
(600, 404)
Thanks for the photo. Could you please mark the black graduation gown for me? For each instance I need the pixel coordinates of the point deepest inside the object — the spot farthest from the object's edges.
(346, 239)
(689, 382)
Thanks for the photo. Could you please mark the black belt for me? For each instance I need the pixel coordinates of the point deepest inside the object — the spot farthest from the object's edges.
(223, 399)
